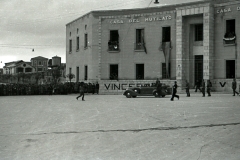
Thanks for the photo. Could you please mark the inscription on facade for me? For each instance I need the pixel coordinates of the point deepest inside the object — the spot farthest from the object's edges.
(149, 19)
(225, 10)
(116, 21)
(134, 21)
(158, 18)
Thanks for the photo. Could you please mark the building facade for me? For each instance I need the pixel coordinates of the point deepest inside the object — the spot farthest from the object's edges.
(190, 41)
(40, 63)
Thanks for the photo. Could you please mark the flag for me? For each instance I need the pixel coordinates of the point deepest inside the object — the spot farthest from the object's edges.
(166, 46)
(143, 44)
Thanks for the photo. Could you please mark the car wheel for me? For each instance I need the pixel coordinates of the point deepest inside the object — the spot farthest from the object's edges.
(163, 95)
(134, 96)
(155, 94)
(128, 95)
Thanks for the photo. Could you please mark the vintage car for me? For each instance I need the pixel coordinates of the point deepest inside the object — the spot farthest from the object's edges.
(147, 91)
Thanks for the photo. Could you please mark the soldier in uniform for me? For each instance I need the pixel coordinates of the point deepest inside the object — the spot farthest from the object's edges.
(209, 85)
(197, 85)
(81, 91)
(174, 91)
(203, 88)
(234, 87)
(93, 88)
(187, 88)
(159, 88)
(157, 82)
(97, 87)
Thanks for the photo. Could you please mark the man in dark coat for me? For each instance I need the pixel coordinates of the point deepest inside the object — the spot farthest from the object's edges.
(234, 87)
(174, 91)
(93, 88)
(197, 85)
(203, 88)
(157, 82)
(187, 88)
(81, 91)
(209, 85)
(97, 87)
(159, 88)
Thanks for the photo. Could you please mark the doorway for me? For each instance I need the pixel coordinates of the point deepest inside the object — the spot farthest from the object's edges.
(198, 68)
(139, 71)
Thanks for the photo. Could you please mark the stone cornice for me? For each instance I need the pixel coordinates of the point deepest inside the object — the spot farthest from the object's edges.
(138, 15)
(226, 4)
(194, 6)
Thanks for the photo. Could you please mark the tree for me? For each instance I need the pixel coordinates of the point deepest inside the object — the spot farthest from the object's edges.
(70, 76)
(56, 73)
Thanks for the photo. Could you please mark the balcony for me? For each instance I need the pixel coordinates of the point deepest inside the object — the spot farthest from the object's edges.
(229, 39)
(113, 46)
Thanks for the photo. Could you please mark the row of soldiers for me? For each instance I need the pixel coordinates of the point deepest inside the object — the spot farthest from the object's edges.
(45, 89)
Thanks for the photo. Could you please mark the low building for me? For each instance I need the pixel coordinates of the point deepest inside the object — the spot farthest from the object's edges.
(16, 67)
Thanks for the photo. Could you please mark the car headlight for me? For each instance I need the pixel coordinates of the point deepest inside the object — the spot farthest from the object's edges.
(135, 90)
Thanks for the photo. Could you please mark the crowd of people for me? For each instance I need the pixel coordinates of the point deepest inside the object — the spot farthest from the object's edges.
(10, 89)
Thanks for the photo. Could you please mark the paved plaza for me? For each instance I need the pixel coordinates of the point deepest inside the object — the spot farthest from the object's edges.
(113, 127)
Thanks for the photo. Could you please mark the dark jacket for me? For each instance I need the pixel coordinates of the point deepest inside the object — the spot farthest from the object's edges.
(81, 89)
(234, 85)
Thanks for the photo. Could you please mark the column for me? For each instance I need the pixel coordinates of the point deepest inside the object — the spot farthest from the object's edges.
(208, 56)
(179, 49)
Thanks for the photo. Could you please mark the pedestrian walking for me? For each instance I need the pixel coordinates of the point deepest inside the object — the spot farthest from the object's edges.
(203, 88)
(234, 87)
(174, 91)
(187, 89)
(197, 86)
(209, 85)
(81, 91)
(97, 87)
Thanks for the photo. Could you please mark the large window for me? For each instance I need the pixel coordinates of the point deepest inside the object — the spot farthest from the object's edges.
(19, 70)
(85, 40)
(28, 69)
(230, 68)
(166, 71)
(166, 34)
(113, 71)
(230, 26)
(113, 43)
(139, 71)
(70, 45)
(77, 44)
(229, 36)
(199, 32)
(140, 42)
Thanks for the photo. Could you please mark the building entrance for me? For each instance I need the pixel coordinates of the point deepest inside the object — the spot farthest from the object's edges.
(198, 68)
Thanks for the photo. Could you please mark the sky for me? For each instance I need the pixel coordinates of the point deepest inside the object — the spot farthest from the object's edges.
(41, 24)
